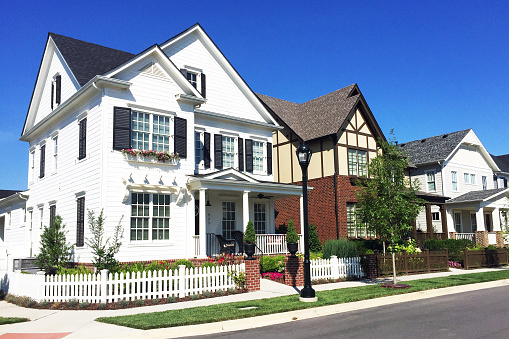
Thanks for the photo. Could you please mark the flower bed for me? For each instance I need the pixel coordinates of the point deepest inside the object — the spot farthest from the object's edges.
(159, 156)
(274, 276)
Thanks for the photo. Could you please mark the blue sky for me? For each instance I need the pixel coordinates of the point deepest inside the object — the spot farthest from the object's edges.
(424, 67)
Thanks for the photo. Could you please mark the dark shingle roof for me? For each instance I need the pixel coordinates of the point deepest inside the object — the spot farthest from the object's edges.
(86, 59)
(7, 193)
(433, 149)
(502, 162)
(318, 117)
(477, 195)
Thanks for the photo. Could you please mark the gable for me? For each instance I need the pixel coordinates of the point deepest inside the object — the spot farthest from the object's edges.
(357, 133)
(226, 91)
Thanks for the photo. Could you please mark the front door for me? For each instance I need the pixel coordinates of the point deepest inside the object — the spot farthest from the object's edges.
(487, 222)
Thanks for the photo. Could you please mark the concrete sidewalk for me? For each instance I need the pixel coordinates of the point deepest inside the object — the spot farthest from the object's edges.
(81, 324)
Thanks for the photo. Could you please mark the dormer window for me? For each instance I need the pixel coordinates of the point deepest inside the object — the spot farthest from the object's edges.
(192, 78)
(56, 90)
(196, 77)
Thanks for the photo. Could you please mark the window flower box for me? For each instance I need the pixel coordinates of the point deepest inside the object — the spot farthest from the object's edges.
(150, 156)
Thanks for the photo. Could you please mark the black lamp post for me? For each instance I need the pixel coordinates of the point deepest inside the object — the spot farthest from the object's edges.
(304, 155)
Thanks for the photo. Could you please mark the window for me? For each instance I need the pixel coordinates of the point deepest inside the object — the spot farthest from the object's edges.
(258, 156)
(505, 182)
(52, 213)
(196, 77)
(356, 228)
(457, 222)
(430, 180)
(56, 91)
(357, 163)
(41, 215)
(31, 218)
(80, 222)
(82, 152)
(228, 219)
(472, 179)
(9, 220)
(454, 179)
(466, 177)
(193, 78)
(161, 133)
(140, 130)
(259, 218)
(42, 161)
(145, 138)
(473, 222)
(55, 153)
(484, 183)
(198, 150)
(32, 165)
(150, 212)
(435, 216)
(228, 152)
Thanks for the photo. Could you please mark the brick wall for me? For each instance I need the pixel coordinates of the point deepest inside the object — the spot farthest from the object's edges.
(294, 271)
(253, 275)
(320, 206)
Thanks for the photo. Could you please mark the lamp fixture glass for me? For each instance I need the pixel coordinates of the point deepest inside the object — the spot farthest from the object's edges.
(304, 154)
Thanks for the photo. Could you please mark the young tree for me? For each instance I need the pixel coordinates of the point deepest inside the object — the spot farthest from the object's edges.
(55, 252)
(388, 203)
(103, 251)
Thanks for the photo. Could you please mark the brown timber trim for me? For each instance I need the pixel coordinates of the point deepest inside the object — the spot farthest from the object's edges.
(358, 148)
(360, 133)
(429, 223)
(361, 126)
(291, 159)
(321, 155)
(443, 216)
(336, 156)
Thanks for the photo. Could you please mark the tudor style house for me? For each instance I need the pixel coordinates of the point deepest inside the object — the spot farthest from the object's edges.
(456, 175)
(170, 142)
(342, 133)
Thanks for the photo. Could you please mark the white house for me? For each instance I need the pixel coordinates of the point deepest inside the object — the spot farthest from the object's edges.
(180, 97)
(457, 166)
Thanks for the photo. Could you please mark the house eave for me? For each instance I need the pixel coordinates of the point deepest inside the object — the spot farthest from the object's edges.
(190, 99)
(237, 120)
(12, 199)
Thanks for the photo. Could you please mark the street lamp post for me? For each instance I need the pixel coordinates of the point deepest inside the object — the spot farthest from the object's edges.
(307, 294)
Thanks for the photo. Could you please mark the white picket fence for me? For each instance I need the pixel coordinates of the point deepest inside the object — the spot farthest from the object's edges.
(107, 287)
(335, 268)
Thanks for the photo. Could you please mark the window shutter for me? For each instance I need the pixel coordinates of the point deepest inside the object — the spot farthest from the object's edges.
(52, 94)
(180, 137)
(203, 86)
(83, 139)
(58, 89)
(249, 155)
(218, 151)
(121, 128)
(241, 154)
(80, 224)
(184, 72)
(269, 158)
(43, 161)
(206, 149)
(52, 212)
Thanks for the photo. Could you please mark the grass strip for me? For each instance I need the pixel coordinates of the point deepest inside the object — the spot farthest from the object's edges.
(5, 321)
(253, 308)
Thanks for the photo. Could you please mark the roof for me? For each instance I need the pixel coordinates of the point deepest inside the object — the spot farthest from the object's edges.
(7, 193)
(434, 149)
(318, 117)
(430, 197)
(477, 195)
(502, 162)
(86, 59)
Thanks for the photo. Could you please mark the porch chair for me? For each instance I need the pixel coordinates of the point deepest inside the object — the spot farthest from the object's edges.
(226, 245)
(239, 239)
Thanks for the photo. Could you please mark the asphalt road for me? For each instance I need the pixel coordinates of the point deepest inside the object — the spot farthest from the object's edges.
(478, 314)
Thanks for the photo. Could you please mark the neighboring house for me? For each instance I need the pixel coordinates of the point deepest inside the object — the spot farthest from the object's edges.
(180, 97)
(342, 133)
(456, 165)
(501, 177)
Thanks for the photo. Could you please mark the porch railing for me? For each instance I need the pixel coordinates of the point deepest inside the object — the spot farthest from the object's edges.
(196, 241)
(469, 236)
(266, 243)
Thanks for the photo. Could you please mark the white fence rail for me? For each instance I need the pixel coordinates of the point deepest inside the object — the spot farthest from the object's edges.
(335, 268)
(274, 244)
(469, 236)
(107, 287)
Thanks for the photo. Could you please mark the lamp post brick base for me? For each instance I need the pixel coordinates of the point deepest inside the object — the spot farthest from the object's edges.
(252, 275)
(294, 272)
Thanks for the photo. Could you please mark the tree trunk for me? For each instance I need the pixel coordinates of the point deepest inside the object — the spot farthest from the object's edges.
(393, 267)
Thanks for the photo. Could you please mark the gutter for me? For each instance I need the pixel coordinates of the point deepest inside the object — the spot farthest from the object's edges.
(13, 198)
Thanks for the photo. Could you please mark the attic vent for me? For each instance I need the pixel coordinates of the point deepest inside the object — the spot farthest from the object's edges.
(445, 136)
(423, 141)
(152, 69)
(354, 92)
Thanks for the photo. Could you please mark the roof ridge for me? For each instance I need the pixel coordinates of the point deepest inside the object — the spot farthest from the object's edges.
(268, 96)
(87, 42)
(332, 93)
(435, 136)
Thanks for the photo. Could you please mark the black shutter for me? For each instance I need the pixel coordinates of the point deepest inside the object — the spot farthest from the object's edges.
(82, 152)
(241, 154)
(184, 72)
(218, 151)
(52, 93)
(80, 223)
(52, 211)
(58, 89)
(43, 161)
(180, 137)
(249, 155)
(121, 128)
(203, 86)
(269, 158)
(206, 149)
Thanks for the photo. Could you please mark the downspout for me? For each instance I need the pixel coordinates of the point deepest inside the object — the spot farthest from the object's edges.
(334, 141)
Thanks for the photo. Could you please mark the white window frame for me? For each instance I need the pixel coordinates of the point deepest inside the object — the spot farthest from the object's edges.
(428, 181)
(466, 178)
(484, 180)
(8, 221)
(228, 224)
(358, 229)
(32, 164)
(55, 152)
(233, 153)
(198, 150)
(196, 72)
(435, 216)
(357, 163)
(151, 132)
(259, 159)
(260, 217)
(473, 222)
(457, 222)
(472, 179)
(54, 91)
(41, 217)
(454, 180)
(151, 220)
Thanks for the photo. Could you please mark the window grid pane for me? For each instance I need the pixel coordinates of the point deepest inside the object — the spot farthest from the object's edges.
(362, 160)
(472, 179)
(259, 218)
(258, 155)
(352, 162)
(350, 221)
(161, 136)
(198, 147)
(228, 219)
(228, 152)
(430, 176)
(140, 130)
(140, 216)
(161, 217)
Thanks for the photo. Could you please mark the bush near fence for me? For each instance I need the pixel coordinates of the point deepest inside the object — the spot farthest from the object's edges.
(425, 261)
(485, 258)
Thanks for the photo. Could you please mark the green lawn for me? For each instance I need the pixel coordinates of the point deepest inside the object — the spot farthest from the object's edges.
(4, 320)
(214, 313)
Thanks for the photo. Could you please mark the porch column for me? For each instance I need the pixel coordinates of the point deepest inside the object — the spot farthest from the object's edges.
(443, 217)
(479, 217)
(245, 210)
(450, 219)
(495, 219)
(202, 222)
(301, 214)
(429, 223)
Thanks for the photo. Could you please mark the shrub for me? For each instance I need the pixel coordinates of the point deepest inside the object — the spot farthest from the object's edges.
(171, 300)
(123, 304)
(133, 267)
(81, 269)
(101, 306)
(291, 235)
(220, 292)
(273, 264)
(187, 263)
(104, 250)
(194, 296)
(342, 248)
(315, 245)
(43, 303)
(249, 234)
(232, 291)
(54, 250)
(239, 278)
(208, 264)
(84, 305)
(455, 247)
(157, 266)
(73, 302)
(156, 301)
(139, 302)
(207, 294)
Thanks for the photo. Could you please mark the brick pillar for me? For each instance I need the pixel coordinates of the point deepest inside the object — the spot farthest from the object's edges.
(371, 267)
(294, 271)
(252, 275)
(500, 239)
(452, 235)
(481, 238)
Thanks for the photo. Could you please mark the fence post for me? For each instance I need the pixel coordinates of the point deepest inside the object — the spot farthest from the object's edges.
(428, 264)
(334, 262)
(104, 280)
(182, 281)
(405, 261)
(40, 282)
